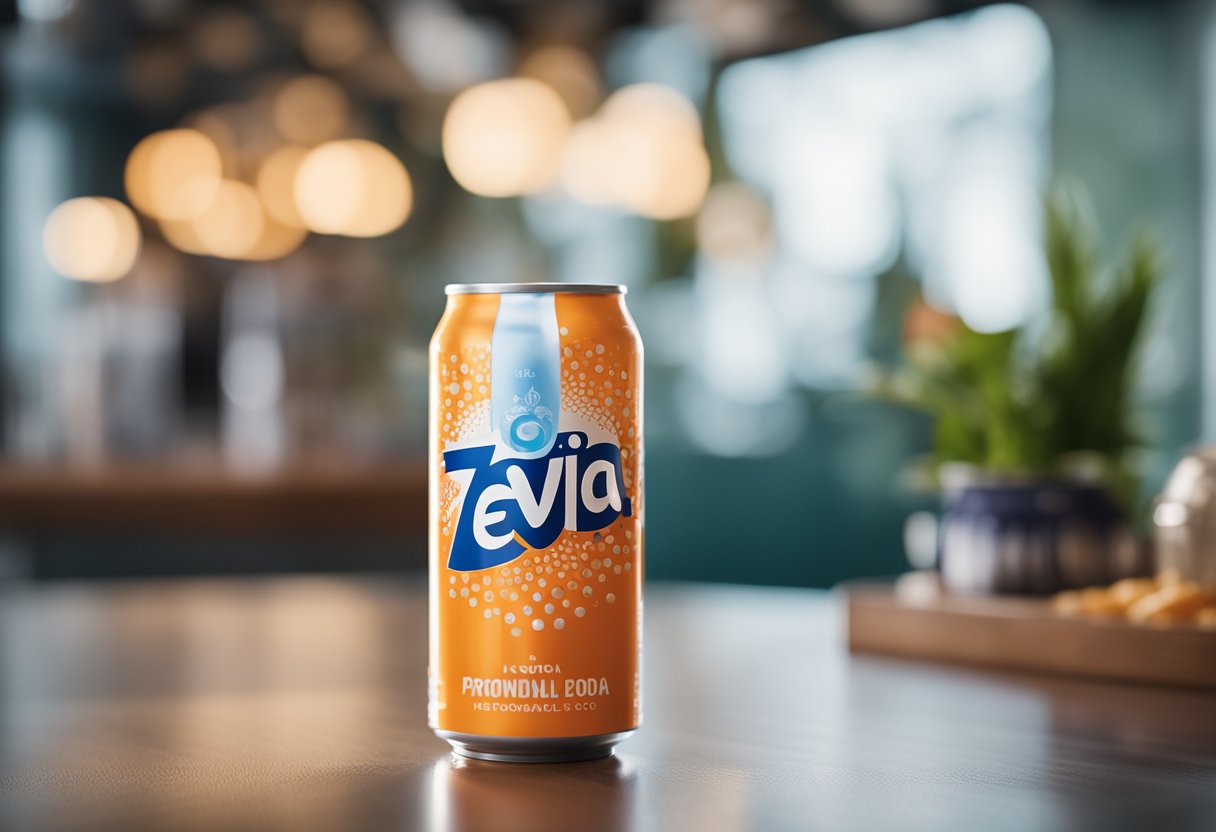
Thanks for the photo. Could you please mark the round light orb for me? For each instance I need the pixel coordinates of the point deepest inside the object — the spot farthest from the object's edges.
(276, 184)
(590, 162)
(570, 72)
(505, 138)
(653, 106)
(89, 238)
(226, 39)
(232, 224)
(353, 187)
(735, 224)
(335, 33)
(183, 236)
(276, 241)
(173, 174)
(310, 109)
(643, 151)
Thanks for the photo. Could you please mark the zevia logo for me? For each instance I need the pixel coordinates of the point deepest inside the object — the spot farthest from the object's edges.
(525, 483)
(511, 504)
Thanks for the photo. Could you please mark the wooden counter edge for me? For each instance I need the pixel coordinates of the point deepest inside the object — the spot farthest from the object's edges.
(369, 499)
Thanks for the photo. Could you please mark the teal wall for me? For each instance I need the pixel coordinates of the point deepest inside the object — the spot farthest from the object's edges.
(830, 508)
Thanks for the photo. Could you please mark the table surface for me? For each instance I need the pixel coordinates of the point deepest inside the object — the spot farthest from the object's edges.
(300, 704)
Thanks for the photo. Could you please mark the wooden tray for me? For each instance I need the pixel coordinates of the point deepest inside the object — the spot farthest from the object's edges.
(1023, 634)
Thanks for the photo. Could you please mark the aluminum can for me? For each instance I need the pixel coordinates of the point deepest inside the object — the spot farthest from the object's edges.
(536, 521)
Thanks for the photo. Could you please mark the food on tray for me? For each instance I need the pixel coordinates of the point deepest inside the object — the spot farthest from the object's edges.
(1165, 599)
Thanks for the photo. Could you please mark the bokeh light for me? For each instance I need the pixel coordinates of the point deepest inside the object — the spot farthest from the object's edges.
(649, 106)
(219, 125)
(276, 184)
(229, 227)
(173, 174)
(91, 238)
(505, 138)
(591, 162)
(447, 49)
(183, 236)
(735, 224)
(44, 11)
(157, 73)
(276, 240)
(226, 39)
(835, 206)
(335, 33)
(354, 187)
(311, 109)
(642, 151)
(570, 72)
(232, 224)
(993, 263)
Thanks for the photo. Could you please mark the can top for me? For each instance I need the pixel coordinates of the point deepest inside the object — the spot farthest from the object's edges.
(533, 288)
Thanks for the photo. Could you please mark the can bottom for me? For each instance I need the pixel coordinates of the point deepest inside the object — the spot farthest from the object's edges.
(534, 749)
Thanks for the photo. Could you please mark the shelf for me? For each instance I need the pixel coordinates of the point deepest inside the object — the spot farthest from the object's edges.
(297, 499)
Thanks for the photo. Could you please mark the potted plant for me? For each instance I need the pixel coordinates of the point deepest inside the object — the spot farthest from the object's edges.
(1033, 428)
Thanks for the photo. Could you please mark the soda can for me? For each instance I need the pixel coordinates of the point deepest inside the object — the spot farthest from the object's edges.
(536, 521)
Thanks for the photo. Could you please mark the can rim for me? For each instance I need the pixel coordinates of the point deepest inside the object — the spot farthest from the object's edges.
(534, 288)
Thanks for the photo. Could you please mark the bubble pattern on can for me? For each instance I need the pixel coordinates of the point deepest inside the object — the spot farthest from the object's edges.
(597, 389)
(571, 608)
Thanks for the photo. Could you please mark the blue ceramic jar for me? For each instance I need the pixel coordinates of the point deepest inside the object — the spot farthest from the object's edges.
(1035, 537)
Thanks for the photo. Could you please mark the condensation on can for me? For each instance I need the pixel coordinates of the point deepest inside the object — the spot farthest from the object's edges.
(536, 522)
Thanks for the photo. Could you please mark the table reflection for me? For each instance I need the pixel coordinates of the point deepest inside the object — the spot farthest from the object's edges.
(476, 795)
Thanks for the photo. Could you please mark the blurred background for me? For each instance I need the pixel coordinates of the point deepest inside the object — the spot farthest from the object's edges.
(225, 230)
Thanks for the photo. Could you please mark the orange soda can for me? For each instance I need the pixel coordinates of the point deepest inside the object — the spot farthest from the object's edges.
(536, 521)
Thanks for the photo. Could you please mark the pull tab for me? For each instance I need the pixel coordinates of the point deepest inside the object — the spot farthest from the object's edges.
(526, 373)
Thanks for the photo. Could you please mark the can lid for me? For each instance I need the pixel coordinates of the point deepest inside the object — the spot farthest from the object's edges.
(533, 288)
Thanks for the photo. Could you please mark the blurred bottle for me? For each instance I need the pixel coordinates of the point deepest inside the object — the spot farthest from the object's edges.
(115, 372)
(141, 371)
(253, 433)
(1184, 519)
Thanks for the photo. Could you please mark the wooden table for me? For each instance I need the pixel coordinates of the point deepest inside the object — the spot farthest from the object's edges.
(299, 704)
